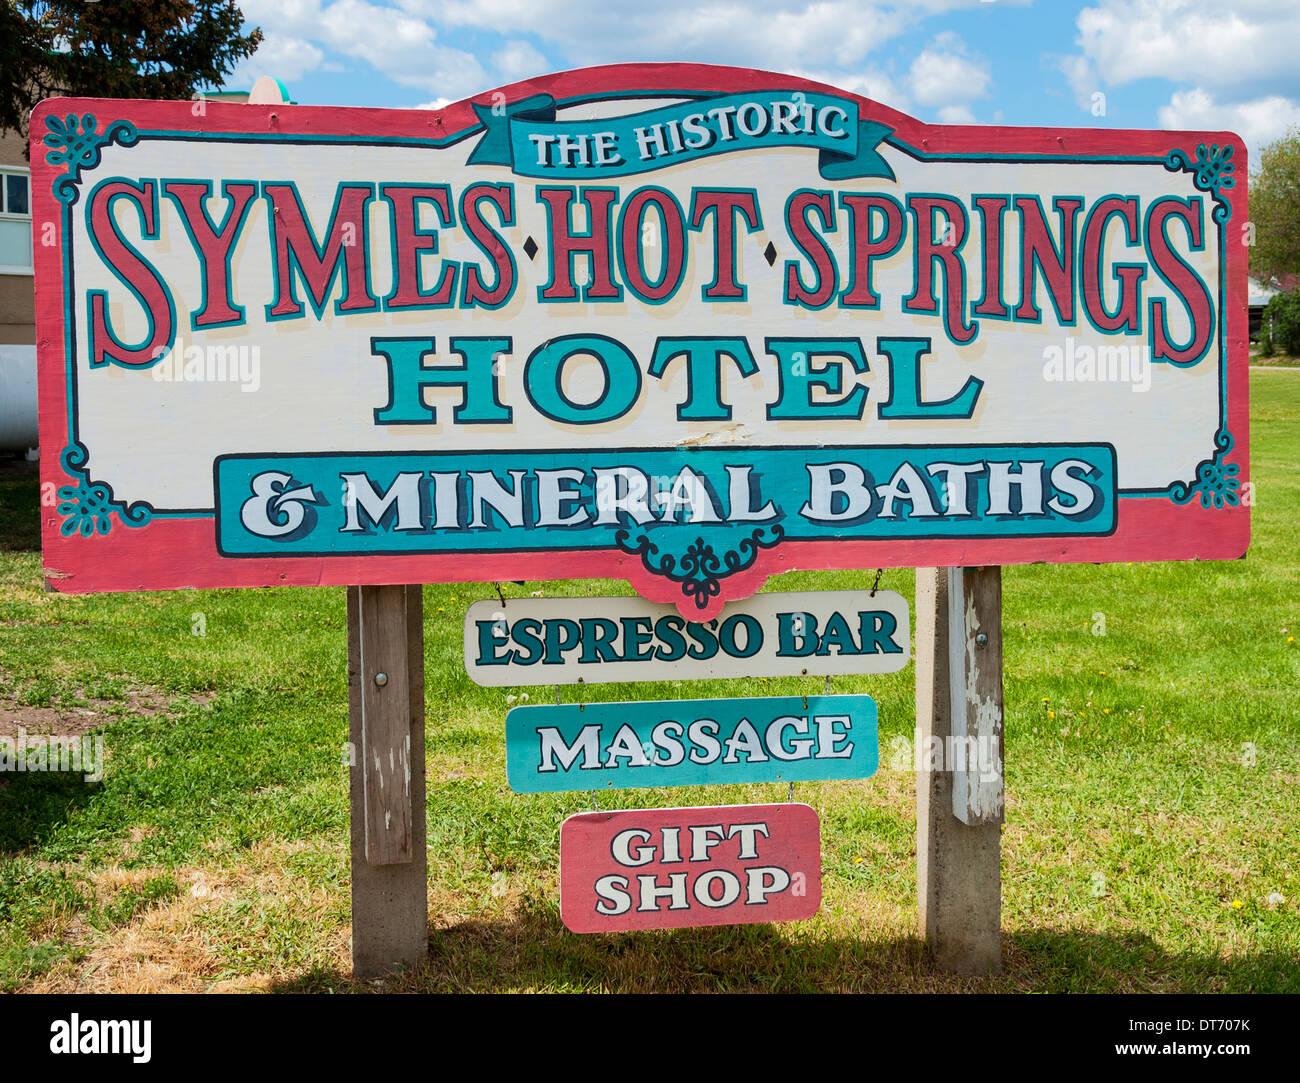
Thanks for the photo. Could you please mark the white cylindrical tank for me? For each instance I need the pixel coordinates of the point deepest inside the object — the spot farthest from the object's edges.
(17, 398)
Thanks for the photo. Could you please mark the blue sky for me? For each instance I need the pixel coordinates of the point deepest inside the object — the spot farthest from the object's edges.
(1154, 63)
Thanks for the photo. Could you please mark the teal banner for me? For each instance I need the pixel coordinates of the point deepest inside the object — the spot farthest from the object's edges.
(696, 742)
(527, 136)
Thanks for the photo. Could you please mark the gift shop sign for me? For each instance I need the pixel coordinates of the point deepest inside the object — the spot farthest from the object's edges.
(671, 868)
(683, 325)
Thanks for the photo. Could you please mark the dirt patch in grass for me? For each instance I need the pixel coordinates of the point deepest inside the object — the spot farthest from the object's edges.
(74, 721)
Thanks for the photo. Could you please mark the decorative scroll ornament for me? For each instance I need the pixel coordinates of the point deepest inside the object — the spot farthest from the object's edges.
(88, 506)
(1213, 168)
(1216, 481)
(700, 569)
(78, 144)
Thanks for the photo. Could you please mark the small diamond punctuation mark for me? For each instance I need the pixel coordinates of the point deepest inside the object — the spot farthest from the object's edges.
(530, 247)
(769, 253)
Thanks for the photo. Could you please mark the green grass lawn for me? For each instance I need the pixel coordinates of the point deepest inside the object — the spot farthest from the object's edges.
(1152, 839)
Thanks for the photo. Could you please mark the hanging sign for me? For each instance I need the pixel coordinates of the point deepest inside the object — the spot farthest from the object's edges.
(691, 742)
(682, 325)
(528, 641)
(671, 868)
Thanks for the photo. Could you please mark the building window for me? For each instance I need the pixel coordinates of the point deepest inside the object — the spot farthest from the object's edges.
(15, 222)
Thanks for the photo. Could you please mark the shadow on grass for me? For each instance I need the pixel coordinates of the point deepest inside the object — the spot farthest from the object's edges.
(33, 804)
(20, 512)
(533, 951)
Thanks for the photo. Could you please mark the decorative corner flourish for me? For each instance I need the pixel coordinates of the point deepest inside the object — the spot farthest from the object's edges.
(700, 569)
(78, 144)
(88, 506)
(1213, 168)
(1216, 481)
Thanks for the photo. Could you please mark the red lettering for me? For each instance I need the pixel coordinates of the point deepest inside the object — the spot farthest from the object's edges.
(476, 292)
(942, 249)
(212, 243)
(136, 273)
(298, 255)
(410, 241)
(1130, 275)
(867, 248)
(813, 246)
(565, 244)
(724, 205)
(1182, 279)
(1038, 252)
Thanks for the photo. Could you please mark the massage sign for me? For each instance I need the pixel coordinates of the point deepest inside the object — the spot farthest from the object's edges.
(681, 326)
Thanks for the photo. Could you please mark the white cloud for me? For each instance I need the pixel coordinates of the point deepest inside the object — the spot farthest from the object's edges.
(956, 114)
(387, 38)
(942, 75)
(1258, 122)
(400, 44)
(295, 15)
(872, 84)
(411, 41)
(775, 34)
(283, 57)
(1082, 77)
(519, 60)
(1206, 42)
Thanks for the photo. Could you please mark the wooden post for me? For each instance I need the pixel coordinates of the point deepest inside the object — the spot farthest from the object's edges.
(960, 781)
(386, 731)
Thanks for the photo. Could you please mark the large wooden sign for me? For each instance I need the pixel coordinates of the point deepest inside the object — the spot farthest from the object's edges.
(683, 325)
(692, 742)
(670, 868)
(529, 641)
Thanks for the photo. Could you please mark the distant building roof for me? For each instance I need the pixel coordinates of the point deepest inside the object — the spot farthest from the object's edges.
(1260, 294)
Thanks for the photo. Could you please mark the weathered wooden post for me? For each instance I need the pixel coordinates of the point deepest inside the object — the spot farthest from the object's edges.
(959, 784)
(386, 731)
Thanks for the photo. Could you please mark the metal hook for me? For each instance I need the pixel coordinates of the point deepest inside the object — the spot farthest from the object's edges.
(876, 583)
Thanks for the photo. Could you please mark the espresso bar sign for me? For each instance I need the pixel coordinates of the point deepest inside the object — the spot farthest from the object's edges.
(671, 868)
(687, 326)
(530, 641)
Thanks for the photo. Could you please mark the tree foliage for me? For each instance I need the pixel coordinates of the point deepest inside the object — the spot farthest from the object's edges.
(115, 49)
(1282, 322)
(1275, 209)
